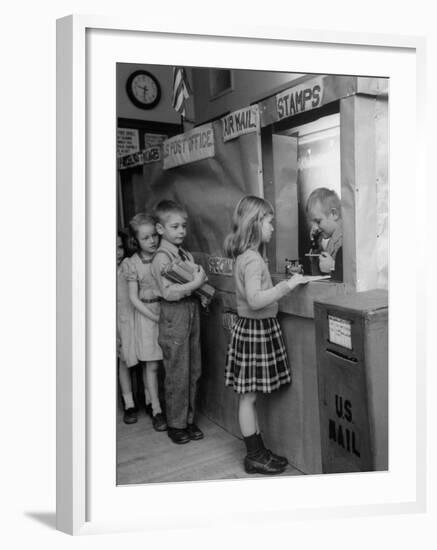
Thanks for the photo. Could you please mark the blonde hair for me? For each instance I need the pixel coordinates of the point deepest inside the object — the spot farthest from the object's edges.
(246, 225)
(167, 207)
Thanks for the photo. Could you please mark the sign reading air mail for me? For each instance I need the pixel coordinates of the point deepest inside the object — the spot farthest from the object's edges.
(300, 98)
(197, 144)
(238, 123)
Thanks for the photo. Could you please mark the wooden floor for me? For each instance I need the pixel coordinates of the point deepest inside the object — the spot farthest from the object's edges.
(146, 456)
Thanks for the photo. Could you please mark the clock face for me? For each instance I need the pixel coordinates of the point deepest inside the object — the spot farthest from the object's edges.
(143, 89)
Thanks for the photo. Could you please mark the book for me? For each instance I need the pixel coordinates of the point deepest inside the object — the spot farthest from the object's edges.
(180, 272)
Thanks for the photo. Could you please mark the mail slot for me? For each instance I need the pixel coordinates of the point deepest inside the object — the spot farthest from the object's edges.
(352, 369)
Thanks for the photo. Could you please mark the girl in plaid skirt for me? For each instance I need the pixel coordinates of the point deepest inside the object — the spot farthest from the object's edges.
(256, 360)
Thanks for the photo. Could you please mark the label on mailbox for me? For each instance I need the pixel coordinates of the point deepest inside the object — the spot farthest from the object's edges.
(340, 331)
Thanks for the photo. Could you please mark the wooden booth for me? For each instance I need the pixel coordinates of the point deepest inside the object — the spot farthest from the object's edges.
(317, 131)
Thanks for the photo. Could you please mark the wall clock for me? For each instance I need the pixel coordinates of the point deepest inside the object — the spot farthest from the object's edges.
(143, 89)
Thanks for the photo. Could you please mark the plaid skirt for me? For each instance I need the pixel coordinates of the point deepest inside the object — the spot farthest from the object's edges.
(256, 358)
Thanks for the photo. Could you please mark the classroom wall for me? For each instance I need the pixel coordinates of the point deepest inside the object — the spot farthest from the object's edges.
(247, 88)
(250, 87)
(163, 112)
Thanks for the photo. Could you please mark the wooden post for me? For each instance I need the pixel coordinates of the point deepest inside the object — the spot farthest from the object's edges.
(358, 188)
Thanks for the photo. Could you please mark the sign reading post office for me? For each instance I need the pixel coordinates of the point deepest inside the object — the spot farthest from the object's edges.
(197, 144)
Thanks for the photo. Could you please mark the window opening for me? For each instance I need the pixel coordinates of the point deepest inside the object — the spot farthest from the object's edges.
(318, 165)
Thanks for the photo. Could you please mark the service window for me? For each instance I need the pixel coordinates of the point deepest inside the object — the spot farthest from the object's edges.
(304, 157)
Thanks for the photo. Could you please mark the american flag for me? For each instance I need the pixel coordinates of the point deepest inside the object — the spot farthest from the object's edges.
(181, 90)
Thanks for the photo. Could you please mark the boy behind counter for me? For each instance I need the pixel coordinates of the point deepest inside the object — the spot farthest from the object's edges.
(179, 325)
(324, 213)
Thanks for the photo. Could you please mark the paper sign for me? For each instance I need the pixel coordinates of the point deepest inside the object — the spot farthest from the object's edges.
(152, 154)
(244, 121)
(197, 144)
(340, 331)
(298, 99)
(220, 266)
(147, 156)
(150, 140)
(127, 141)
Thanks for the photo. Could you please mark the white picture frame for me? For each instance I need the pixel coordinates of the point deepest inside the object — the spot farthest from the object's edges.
(77, 347)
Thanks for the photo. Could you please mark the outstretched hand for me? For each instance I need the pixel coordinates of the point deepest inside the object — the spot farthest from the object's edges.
(298, 279)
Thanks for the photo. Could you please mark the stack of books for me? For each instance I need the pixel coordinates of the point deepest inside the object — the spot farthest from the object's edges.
(181, 272)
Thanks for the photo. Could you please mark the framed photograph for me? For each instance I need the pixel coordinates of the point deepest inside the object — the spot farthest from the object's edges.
(161, 134)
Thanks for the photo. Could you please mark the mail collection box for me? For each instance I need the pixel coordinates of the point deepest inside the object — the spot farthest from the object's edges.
(352, 369)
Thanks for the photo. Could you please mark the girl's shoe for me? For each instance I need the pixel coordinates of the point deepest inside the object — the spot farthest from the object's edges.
(159, 423)
(281, 460)
(130, 416)
(262, 464)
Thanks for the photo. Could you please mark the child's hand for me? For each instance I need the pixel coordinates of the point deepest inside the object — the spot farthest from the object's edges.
(199, 276)
(297, 279)
(204, 301)
(326, 262)
(314, 233)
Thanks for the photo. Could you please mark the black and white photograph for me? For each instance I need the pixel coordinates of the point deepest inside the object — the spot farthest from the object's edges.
(252, 261)
(218, 303)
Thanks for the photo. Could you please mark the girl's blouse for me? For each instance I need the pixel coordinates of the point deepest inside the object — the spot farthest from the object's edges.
(257, 298)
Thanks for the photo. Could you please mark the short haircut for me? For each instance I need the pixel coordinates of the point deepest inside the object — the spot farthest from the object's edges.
(327, 198)
(166, 207)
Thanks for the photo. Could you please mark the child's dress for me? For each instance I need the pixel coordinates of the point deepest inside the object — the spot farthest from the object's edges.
(146, 331)
(256, 360)
(125, 321)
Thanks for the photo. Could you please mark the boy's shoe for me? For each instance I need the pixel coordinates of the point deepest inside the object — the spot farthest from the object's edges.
(149, 410)
(159, 423)
(178, 435)
(194, 432)
(130, 416)
(262, 464)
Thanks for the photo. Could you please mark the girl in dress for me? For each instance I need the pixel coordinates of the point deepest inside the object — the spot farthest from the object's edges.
(144, 298)
(256, 360)
(127, 356)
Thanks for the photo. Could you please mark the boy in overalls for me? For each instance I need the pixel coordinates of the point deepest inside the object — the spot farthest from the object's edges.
(179, 330)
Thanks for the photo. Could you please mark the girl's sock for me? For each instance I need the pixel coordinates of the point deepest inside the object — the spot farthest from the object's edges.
(128, 401)
(147, 396)
(254, 446)
(156, 406)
